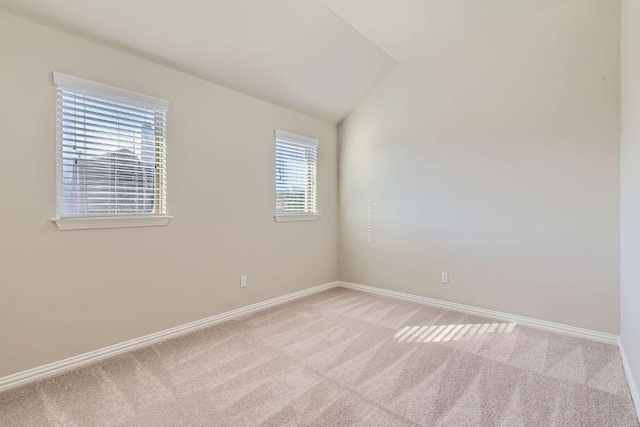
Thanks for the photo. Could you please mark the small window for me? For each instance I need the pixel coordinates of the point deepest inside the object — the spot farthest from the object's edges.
(296, 177)
(111, 156)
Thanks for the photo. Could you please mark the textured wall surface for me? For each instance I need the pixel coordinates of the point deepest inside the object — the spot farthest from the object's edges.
(495, 159)
(65, 293)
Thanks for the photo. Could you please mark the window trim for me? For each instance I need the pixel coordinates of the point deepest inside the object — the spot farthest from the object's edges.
(298, 217)
(111, 222)
(293, 217)
(115, 221)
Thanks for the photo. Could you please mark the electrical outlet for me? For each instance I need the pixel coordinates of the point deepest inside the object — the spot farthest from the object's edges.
(243, 281)
(444, 277)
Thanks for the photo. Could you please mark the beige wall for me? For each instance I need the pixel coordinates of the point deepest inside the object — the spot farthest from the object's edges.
(65, 293)
(495, 159)
(630, 185)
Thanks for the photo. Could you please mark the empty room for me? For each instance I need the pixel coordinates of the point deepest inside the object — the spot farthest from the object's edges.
(320, 213)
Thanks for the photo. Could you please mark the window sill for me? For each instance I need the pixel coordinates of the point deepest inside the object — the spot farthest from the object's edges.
(302, 217)
(111, 222)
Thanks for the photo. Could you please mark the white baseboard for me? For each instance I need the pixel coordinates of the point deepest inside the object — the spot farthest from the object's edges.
(512, 318)
(41, 372)
(75, 362)
(633, 386)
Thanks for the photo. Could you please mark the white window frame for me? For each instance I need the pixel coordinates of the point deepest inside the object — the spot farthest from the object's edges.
(304, 140)
(103, 221)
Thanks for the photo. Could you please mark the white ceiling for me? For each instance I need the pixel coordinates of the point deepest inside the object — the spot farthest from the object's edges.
(318, 57)
(294, 53)
(407, 29)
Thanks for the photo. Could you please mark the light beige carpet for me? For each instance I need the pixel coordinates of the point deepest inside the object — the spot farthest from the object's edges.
(341, 358)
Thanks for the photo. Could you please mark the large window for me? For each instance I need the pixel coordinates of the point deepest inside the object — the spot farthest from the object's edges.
(111, 154)
(296, 177)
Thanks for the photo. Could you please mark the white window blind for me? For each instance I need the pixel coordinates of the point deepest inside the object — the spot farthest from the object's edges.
(296, 174)
(111, 147)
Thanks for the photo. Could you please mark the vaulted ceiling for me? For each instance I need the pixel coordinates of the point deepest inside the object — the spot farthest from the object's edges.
(319, 57)
(407, 29)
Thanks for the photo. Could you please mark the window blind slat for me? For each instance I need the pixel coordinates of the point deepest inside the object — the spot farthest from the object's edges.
(307, 153)
(290, 158)
(105, 113)
(103, 133)
(106, 110)
(295, 173)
